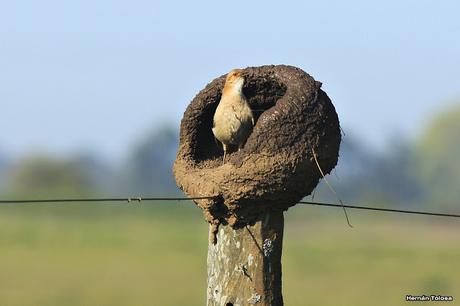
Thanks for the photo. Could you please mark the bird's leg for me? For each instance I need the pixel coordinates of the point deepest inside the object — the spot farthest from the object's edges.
(225, 152)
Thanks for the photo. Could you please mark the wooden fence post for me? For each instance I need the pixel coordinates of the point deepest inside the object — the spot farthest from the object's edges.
(244, 266)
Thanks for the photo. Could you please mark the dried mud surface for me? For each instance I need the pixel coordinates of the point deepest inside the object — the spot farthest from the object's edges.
(275, 168)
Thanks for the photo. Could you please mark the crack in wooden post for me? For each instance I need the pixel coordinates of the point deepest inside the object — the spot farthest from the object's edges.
(244, 266)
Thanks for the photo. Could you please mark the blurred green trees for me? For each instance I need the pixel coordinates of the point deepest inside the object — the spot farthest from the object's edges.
(42, 176)
(438, 159)
(148, 168)
(145, 171)
(425, 171)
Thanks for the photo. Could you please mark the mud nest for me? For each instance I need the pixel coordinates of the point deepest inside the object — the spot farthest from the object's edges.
(295, 120)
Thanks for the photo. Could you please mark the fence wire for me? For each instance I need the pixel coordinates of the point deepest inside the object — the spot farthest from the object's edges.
(156, 199)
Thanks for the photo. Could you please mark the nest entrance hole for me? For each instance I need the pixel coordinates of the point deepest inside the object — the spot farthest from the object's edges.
(262, 93)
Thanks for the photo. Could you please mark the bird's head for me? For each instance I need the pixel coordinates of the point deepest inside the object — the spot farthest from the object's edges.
(235, 79)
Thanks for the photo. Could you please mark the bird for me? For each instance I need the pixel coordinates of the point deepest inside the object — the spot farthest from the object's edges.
(233, 119)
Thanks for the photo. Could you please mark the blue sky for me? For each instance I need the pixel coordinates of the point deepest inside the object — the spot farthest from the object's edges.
(96, 75)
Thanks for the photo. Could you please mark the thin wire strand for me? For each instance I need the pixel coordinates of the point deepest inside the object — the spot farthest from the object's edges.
(127, 199)
(382, 209)
(330, 187)
(148, 199)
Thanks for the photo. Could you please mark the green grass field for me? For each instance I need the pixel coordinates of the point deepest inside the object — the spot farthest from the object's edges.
(155, 254)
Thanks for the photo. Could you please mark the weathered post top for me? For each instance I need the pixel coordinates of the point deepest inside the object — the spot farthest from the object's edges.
(294, 119)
